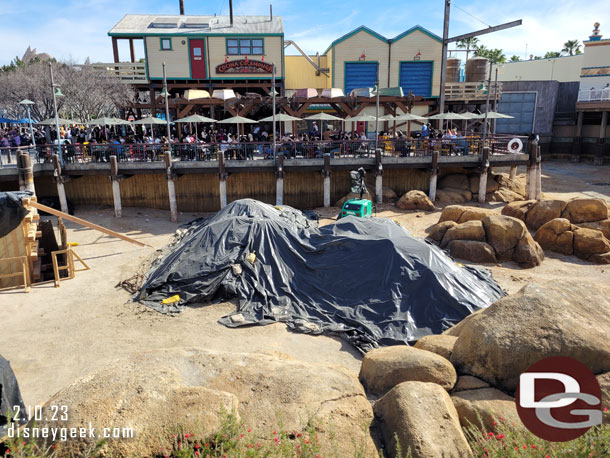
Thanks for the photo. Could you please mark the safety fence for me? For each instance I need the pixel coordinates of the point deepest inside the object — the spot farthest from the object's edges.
(390, 147)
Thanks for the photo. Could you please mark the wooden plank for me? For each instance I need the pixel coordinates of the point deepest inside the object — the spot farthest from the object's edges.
(82, 222)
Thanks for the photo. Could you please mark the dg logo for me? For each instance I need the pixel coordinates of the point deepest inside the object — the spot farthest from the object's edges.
(559, 399)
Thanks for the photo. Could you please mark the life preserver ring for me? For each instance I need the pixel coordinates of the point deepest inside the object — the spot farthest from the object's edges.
(515, 146)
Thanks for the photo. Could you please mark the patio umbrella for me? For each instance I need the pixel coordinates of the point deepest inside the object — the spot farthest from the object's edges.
(493, 115)
(447, 116)
(8, 121)
(239, 120)
(107, 121)
(25, 121)
(149, 121)
(280, 117)
(322, 117)
(362, 118)
(194, 119)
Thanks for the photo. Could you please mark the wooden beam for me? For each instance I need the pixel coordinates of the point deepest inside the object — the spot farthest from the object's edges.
(132, 52)
(80, 221)
(115, 50)
(183, 113)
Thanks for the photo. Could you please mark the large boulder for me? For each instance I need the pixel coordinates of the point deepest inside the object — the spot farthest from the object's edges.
(556, 235)
(437, 343)
(589, 242)
(516, 185)
(518, 209)
(470, 230)
(156, 391)
(504, 233)
(567, 318)
(585, 210)
(422, 418)
(437, 232)
(453, 195)
(352, 195)
(603, 226)
(463, 214)
(468, 382)
(415, 200)
(454, 181)
(384, 368)
(388, 194)
(491, 185)
(471, 250)
(484, 407)
(527, 252)
(503, 195)
(544, 211)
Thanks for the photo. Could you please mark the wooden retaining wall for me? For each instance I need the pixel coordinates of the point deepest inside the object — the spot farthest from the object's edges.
(199, 192)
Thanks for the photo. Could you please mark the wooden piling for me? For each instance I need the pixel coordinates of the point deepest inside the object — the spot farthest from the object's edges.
(326, 173)
(483, 176)
(279, 180)
(59, 180)
(116, 188)
(171, 190)
(433, 177)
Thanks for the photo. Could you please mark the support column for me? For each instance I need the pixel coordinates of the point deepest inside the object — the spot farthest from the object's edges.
(531, 176)
(513, 172)
(132, 51)
(538, 173)
(116, 188)
(59, 180)
(222, 177)
(433, 177)
(115, 50)
(378, 178)
(483, 176)
(171, 190)
(279, 180)
(599, 156)
(326, 173)
(26, 173)
(577, 145)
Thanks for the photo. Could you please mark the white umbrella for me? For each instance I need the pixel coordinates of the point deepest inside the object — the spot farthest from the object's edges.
(280, 117)
(448, 116)
(63, 122)
(237, 120)
(149, 121)
(322, 117)
(410, 117)
(107, 121)
(361, 118)
(195, 119)
(493, 115)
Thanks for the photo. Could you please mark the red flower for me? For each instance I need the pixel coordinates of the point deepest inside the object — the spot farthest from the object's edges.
(258, 445)
(207, 445)
(186, 436)
(249, 430)
(241, 436)
(525, 447)
(533, 445)
(274, 433)
(495, 423)
(196, 453)
(23, 443)
(197, 446)
(517, 448)
(605, 409)
(299, 434)
(307, 441)
(499, 436)
(490, 434)
(276, 439)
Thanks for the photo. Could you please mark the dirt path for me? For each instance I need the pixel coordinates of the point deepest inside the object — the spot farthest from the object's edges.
(53, 335)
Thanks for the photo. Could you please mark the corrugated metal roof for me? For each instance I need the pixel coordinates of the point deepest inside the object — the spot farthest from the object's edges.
(142, 24)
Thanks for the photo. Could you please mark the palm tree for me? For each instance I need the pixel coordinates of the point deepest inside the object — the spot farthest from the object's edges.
(515, 59)
(571, 47)
(551, 54)
(468, 44)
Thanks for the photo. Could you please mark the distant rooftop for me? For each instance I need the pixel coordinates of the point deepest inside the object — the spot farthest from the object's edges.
(145, 24)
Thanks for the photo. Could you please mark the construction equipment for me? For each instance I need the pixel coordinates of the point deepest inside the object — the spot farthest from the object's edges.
(361, 208)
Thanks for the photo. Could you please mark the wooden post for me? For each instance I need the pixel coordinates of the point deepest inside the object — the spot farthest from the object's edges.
(378, 177)
(513, 172)
(132, 51)
(116, 188)
(26, 173)
(483, 176)
(222, 177)
(599, 156)
(433, 177)
(326, 173)
(577, 145)
(531, 180)
(115, 50)
(279, 180)
(171, 190)
(59, 180)
(538, 173)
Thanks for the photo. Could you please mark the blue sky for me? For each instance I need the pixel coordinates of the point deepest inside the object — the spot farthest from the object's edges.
(74, 30)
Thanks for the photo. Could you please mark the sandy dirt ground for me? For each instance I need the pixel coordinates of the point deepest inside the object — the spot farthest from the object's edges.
(51, 336)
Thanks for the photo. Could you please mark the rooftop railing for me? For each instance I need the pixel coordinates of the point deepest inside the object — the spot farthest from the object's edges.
(127, 72)
(594, 95)
(471, 91)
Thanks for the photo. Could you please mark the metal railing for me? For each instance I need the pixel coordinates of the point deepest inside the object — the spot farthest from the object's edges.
(594, 95)
(147, 152)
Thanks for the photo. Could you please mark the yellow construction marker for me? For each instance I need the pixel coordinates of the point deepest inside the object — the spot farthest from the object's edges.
(171, 300)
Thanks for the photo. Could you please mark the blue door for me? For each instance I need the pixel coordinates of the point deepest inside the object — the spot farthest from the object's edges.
(522, 107)
(360, 74)
(416, 77)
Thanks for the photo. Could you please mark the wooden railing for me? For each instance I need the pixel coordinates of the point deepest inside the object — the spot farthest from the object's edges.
(471, 91)
(128, 72)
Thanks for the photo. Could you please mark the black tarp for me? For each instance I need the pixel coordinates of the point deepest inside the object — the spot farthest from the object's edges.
(10, 398)
(12, 210)
(365, 279)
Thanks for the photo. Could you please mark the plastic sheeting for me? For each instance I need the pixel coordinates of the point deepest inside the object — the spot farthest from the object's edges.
(12, 211)
(365, 279)
(10, 398)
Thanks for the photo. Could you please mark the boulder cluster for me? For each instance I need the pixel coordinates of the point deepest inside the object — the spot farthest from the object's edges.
(463, 187)
(483, 236)
(579, 227)
(468, 375)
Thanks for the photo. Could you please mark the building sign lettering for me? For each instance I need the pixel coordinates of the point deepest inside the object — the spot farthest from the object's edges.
(244, 66)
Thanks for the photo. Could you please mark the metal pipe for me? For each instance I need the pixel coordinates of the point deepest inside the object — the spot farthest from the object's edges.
(495, 101)
(377, 111)
(444, 60)
(270, 12)
(59, 153)
(181, 7)
(231, 10)
(487, 104)
(273, 107)
(166, 108)
(31, 127)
